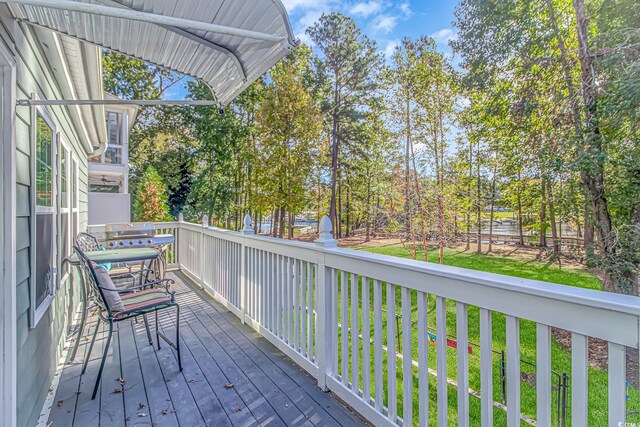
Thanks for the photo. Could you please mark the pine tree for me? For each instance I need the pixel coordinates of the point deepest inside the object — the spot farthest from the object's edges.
(151, 198)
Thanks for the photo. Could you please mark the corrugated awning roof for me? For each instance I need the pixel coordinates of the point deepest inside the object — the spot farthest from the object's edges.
(177, 34)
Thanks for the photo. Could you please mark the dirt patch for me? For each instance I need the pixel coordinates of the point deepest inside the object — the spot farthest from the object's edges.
(599, 354)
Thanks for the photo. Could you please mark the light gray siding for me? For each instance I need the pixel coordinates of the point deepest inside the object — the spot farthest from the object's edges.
(39, 347)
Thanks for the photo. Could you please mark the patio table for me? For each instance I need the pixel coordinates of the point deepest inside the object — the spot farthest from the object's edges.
(103, 257)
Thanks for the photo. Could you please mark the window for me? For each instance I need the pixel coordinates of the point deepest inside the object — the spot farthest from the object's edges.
(114, 154)
(43, 240)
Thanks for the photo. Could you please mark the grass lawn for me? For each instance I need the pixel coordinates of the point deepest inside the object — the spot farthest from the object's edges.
(508, 265)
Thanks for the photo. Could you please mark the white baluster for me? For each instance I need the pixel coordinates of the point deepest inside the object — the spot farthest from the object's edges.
(441, 362)
(366, 340)
(355, 335)
(423, 360)
(579, 380)
(617, 387)
(391, 353)
(407, 359)
(513, 371)
(486, 367)
(462, 321)
(543, 374)
(377, 345)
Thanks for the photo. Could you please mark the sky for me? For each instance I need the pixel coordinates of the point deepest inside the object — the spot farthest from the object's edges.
(385, 21)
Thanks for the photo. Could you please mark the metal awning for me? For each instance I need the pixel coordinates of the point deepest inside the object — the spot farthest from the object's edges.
(227, 44)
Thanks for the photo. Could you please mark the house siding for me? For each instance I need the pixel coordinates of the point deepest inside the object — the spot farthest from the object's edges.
(39, 347)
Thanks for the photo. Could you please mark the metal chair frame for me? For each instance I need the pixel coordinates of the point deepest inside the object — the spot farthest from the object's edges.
(108, 316)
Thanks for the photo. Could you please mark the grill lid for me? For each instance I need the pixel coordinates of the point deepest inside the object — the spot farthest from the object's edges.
(128, 230)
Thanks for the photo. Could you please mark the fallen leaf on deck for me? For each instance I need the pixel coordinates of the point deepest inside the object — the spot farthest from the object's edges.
(118, 390)
(121, 380)
(238, 409)
(193, 381)
(165, 411)
(141, 406)
(228, 385)
(60, 403)
(142, 414)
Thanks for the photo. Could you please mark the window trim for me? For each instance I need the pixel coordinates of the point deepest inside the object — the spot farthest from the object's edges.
(63, 147)
(36, 313)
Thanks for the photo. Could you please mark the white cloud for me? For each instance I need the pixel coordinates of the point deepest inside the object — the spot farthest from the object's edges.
(366, 9)
(292, 5)
(384, 24)
(444, 36)
(406, 10)
(390, 48)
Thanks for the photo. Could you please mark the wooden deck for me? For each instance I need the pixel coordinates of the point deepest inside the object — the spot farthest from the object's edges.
(231, 376)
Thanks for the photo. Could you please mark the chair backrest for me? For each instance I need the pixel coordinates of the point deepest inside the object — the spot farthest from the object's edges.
(86, 242)
(92, 278)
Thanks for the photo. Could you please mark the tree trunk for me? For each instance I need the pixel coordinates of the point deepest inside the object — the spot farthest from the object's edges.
(348, 206)
(292, 220)
(493, 198)
(469, 195)
(591, 154)
(407, 173)
(423, 231)
(339, 216)
(519, 198)
(274, 222)
(479, 201)
(552, 219)
(282, 222)
(543, 216)
(367, 235)
(334, 158)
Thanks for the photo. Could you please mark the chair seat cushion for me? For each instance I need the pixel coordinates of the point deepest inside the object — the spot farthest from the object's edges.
(144, 299)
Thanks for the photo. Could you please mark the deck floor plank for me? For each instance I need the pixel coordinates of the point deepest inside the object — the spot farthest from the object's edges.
(87, 410)
(136, 403)
(199, 379)
(289, 392)
(160, 407)
(264, 400)
(112, 402)
(320, 407)
(268, 389)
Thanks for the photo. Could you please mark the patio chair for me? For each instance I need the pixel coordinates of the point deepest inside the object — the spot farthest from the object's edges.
(122, 279)
(121, 304)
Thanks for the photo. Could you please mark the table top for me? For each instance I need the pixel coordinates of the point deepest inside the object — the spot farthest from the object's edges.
(118, 255)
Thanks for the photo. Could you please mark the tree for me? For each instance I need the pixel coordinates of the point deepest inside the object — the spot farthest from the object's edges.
(346, 72)
(151, 198)
(290, 125)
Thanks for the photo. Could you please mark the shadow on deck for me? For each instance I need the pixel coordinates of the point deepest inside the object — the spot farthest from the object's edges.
(231, 376)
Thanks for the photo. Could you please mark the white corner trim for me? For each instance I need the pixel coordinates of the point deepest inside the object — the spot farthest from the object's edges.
(8, 345)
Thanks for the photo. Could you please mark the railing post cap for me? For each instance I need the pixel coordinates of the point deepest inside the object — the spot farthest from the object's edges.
(247, 225)
(180, 217)
(325, 238)
(205, 221)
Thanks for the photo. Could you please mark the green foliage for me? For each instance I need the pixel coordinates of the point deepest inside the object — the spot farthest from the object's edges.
(150, 203)
(289, 123)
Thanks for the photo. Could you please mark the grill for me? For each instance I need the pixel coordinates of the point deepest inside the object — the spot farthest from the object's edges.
(134, 234)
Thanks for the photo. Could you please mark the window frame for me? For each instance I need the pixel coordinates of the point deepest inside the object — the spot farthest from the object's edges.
(120, 146)
(74, 194)
(36, 313)
(63, 147)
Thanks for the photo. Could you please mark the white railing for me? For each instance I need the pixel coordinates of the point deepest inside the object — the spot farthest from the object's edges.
(351, 319)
